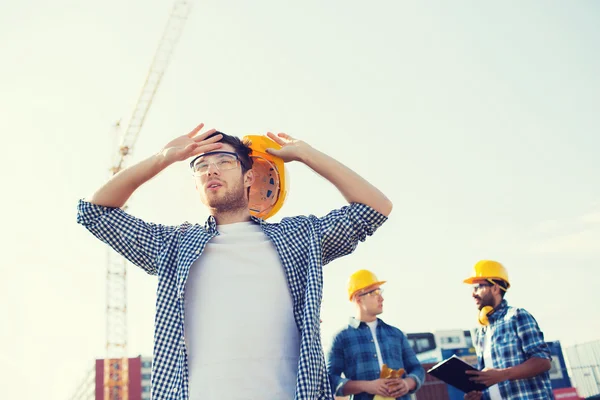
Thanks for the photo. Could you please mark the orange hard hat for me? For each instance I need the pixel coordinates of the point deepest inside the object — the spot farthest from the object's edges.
(270, 187)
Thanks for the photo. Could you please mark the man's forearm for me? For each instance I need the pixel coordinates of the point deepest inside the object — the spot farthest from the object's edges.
(354, 387)
(528, 369)
(121, 186)
(353, 187)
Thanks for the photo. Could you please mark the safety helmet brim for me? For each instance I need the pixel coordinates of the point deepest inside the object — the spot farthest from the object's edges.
(472, 279)
(378, 283)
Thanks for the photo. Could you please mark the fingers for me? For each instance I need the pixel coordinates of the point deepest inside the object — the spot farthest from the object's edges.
(392, 384)
(276, 138)
(194, 134)
(398, 393)
(380, 388)
(397, 388)
(203, 136)
(474, 395)
(195, 130)
(205, 148)
(193, 149)
(477, 378)
(285, 136)
(190, 147)
(275, 152)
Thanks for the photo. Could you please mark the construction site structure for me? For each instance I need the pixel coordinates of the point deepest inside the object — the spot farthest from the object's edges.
(584, 362)
(116, 368)
(138, 380)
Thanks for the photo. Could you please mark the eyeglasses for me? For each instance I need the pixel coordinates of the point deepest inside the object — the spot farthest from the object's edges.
(222, 160)
(374, 292)
(478, 286)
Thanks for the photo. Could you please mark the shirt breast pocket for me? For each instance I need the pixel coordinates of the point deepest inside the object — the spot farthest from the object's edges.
(507, 339)
(392, 353)
(507, 349)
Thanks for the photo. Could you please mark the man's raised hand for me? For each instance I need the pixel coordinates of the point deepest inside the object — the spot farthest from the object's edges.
(190, 145)
(291, 149)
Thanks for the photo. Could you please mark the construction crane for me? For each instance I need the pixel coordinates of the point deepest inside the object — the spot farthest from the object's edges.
(87, 386)
(116, 369)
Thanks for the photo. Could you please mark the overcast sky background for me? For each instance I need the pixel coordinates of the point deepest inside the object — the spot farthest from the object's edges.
(479, 121)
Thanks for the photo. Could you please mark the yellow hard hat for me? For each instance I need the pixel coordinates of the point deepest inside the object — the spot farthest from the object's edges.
(270, 187)
(361, 279)
(488, 269)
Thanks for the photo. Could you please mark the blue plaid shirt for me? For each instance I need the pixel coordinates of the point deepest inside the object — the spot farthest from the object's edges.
(304, 245)
(516, 338)
(353, 353)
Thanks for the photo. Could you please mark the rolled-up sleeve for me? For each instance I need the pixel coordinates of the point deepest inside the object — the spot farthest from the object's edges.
(138, 241)
(343, 228)
(414, 369)
(336, 366)
(531, 336)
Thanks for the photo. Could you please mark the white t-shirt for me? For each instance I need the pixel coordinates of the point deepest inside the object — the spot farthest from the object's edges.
(373, 326)
(493, 391)
(242, 340)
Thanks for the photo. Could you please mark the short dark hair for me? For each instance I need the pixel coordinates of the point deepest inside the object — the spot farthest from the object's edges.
(502, 284)
(241, 148)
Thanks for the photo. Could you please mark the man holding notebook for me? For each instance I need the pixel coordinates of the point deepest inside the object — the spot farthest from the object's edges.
(366, 350)
(513, 357)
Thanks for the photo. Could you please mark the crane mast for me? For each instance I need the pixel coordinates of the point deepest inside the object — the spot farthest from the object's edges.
(116, 372)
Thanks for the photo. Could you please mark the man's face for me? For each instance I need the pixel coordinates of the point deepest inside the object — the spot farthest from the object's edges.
(371, 300)
(221, 185)
(483, 293)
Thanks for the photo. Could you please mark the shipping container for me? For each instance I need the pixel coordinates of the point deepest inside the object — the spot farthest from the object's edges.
(584, 366)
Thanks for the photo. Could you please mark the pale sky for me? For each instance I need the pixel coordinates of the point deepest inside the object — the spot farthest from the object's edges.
(479, 121)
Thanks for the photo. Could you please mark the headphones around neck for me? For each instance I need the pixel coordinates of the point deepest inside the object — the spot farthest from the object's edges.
(483, 315)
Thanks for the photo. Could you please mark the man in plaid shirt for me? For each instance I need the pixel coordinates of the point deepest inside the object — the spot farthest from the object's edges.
(512, 355)
(360, 350)
(238, 299)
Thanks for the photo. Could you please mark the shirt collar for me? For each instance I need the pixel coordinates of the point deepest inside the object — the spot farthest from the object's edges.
(211, 223)
(355, 323)
(257, 220)
(499, 311)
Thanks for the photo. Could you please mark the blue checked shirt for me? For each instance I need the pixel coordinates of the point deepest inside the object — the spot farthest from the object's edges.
(516, 338)
(304, 245)
(353, 353)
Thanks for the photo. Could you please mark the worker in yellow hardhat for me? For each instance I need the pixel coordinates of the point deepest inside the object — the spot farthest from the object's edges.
(492, 273)
(368, 347)
(512, 355)
(272, 267)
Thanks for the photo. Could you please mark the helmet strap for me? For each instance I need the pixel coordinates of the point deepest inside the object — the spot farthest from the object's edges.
(494, 283)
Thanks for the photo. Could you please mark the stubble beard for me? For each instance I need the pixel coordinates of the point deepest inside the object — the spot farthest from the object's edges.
(486, 301)
(231, 201)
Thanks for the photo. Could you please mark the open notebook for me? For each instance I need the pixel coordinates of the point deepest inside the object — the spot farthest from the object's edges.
(452, 371)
